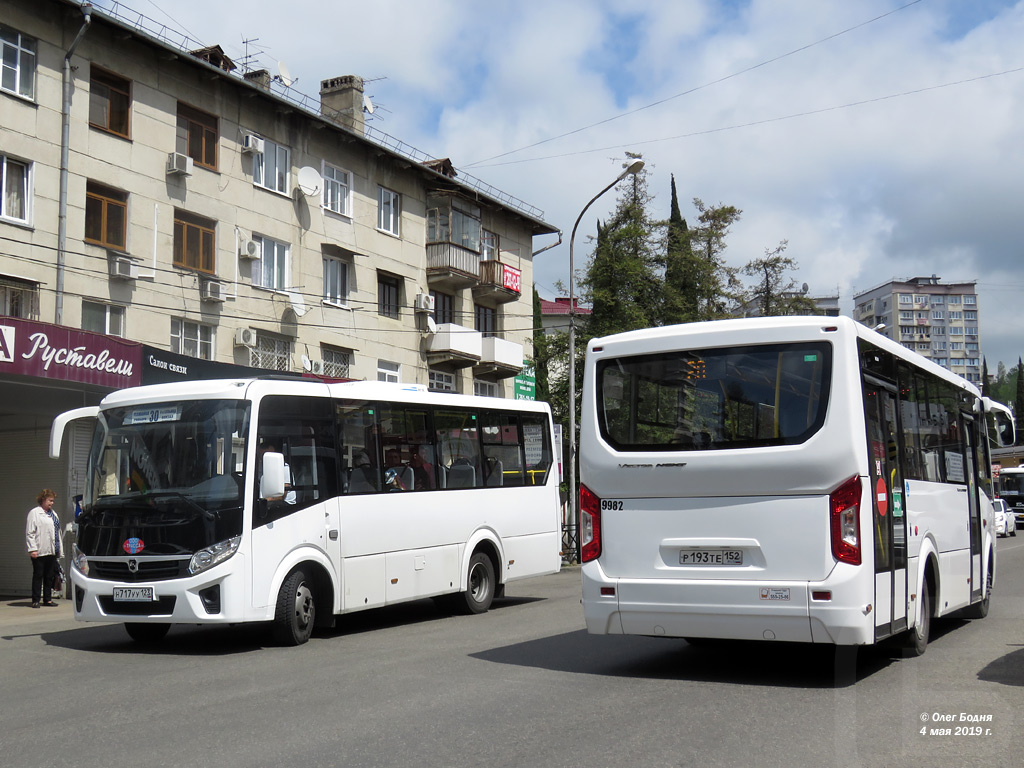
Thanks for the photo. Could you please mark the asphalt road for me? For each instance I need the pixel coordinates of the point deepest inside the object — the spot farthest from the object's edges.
(522, 685)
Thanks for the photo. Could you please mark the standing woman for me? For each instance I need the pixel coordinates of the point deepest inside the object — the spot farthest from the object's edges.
(42, 538)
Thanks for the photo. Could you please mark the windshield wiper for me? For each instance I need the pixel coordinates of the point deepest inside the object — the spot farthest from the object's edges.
(207, 513)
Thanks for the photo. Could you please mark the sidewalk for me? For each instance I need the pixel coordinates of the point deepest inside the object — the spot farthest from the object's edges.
(16, 611)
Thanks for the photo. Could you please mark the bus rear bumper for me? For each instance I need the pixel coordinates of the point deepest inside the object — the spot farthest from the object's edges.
(726, 609)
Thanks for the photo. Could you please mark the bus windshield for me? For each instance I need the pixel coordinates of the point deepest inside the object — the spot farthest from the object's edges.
(707, 399)
(1011, 483)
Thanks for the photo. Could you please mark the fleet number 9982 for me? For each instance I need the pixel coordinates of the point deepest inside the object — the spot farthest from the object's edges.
(614, 505)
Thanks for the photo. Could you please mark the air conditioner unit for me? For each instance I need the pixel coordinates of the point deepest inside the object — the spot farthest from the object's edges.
(252, 144)
(212, 290)
(424, 302)
(317, 367)
(245, 337)
(123, 268)
(249, 249)
(179, 163)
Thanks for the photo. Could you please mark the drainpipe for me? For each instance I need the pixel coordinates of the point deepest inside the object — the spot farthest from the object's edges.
(65, 140)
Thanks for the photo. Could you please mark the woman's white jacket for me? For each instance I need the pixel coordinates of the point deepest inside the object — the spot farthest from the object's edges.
(39, 533)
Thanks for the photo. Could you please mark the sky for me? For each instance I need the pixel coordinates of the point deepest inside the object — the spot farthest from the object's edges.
(881, 138)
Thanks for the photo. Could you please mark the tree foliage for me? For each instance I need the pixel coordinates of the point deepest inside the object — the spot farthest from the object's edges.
(774, 294)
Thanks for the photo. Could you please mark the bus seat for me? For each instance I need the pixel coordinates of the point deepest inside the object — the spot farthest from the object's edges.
(462, 476)
(362, 480)
(495, 474)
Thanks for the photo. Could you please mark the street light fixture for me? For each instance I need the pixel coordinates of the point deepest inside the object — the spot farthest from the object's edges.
(633, 169)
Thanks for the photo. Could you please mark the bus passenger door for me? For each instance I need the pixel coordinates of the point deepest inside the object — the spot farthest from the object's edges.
(889, 528)
(968, 429)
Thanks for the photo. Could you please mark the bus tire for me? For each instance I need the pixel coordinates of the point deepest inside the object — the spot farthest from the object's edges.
(979, 610)
(916, 641)
(480, 586)
(147, 634)
(296, 609)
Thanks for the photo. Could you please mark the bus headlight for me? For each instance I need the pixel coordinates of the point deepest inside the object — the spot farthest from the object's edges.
(206, 558)
(79, 561)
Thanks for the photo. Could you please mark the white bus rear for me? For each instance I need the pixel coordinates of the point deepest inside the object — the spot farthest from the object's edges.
(793, 479)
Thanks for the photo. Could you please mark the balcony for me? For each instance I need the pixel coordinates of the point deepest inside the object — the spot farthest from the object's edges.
(499, 359)
(454, 346)
(498, 282)
(452, 267)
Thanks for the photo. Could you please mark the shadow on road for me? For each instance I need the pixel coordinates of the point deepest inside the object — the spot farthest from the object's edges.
(1007, 669)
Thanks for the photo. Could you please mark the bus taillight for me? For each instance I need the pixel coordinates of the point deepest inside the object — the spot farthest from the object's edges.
(590, 525)
(845, 511)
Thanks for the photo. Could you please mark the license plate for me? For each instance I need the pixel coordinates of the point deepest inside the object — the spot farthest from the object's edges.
(134, 595)
(711, 557)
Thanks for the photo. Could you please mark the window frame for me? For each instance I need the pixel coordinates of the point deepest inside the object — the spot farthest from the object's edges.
(280, 353)
(110, 311)
(337, 194)
(108, 199)
(334, 368)
(271, 251)
(389, 306)
(335, 295)
(206, 230)
(259, 167)
(208, 130)
(389, 211)
(115, 84)
(26, 186)
(24, 46)
(184, 332)
(485, 320)
(391, 372)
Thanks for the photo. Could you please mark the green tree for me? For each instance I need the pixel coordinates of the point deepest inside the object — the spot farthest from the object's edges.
(985, 386)
(774, 294)
(679, 293)
(541, 350)
(1018, 403)
(716, 283)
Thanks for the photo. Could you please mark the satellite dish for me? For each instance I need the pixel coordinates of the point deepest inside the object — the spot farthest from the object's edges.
(310, 182)
(307, 364)
(804, 288)
(284, 76)
(431, 325)
(368, 105)
(298, 304)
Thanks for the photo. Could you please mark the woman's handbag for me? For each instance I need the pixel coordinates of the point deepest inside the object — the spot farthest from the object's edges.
(58, 579)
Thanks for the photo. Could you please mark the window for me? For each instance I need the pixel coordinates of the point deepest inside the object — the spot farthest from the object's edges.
(938, 299)
(18, 63)
(486, 320)
(453, 220)
(388, 210)
(103, 318)
(13, 190)
(271, 352)
(337, 190)
(388, 295)
(971, 315)
(488, 246)
(956, 331)
(271, 271)
(110, 102)
(920, 299)
(938, 345)
(19, 298)
(954, 299)
(192, 339)
(485, 388)
(939, 330)
(971, 300)
(388, 371)
(197, 136)
(938, 314)
(335, 281)
(956, 315)
(337, 362)
(906, 298)
(444, 304)
(971, 330)
(106, 216)
(271, 167)
(194, 243)
(956, 346)
(441, 382)
(906, 316)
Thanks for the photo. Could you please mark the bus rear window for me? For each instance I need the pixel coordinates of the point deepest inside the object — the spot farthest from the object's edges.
(710, 399)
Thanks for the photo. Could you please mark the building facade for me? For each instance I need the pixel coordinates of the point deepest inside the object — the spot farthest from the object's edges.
(940, 321)
(163, 214)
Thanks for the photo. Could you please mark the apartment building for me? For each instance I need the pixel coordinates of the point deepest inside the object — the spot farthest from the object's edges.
(165, 215)
(937, 320)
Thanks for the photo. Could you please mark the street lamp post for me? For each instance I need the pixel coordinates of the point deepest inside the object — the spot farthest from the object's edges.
(633, 169)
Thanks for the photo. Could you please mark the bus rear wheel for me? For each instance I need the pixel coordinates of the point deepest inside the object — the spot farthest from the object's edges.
(480, 586)
(916, 641)
(296, 609)
(146, 633)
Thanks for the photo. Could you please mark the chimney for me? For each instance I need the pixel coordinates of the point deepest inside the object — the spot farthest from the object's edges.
(341, 99)
(259, 78)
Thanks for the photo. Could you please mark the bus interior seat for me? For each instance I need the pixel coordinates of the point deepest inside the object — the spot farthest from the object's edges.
(461, 476)
(362, 480)
(495, 474)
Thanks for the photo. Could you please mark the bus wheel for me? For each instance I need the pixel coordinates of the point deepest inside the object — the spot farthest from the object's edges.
(916, 641)
(296, 609)
(479, 585)
(980, 609)
(146, 633)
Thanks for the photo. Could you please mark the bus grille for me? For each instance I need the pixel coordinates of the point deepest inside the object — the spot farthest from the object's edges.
(148, 570)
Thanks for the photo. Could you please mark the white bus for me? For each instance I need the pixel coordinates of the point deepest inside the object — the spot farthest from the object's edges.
(292, 501)
(793, 479)
(1010, 488)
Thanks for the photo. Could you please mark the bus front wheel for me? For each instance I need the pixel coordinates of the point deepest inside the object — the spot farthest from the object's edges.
(480, 585)
(296, 609)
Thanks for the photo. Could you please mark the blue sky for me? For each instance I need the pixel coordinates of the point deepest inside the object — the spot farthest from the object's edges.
(881, 138)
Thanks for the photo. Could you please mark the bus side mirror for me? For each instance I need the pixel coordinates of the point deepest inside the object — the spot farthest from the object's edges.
(1001, 425)
(272, 477)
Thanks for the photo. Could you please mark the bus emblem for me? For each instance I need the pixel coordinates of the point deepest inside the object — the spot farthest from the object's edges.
(133, 545)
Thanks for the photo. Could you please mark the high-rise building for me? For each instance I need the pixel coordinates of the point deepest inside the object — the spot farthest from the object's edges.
(937, 320)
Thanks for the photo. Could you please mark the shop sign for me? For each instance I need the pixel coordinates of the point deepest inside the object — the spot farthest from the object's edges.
(512, 278)
(49, 351)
